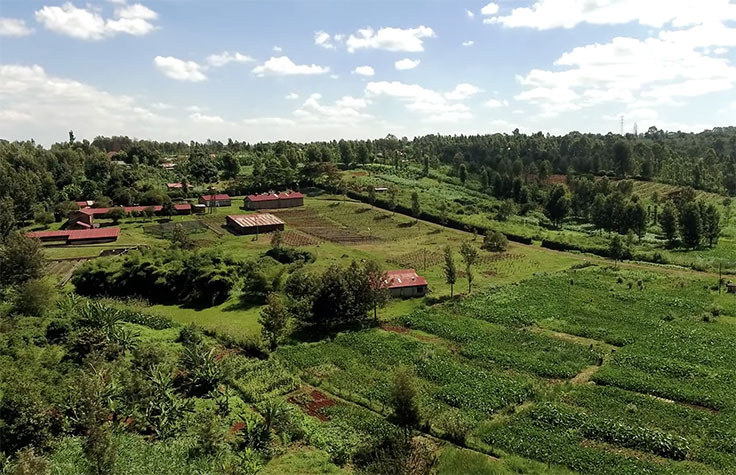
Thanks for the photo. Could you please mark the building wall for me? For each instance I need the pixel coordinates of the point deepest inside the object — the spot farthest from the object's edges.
(416, 291)
(93, 241)
(291, 202)
(217, 203)
(253, 230)
(270, 204)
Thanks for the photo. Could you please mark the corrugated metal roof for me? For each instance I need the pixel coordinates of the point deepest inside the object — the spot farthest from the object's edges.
(47, 234)
(396, 279)
(182, 206)
(275, 196)
(100, 233)
(256, 219)
(127, 209)
(215, 197)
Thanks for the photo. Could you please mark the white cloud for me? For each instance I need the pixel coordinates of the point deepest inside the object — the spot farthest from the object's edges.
(53, 105)
(462, 91)
(662, 69)
(291, 96)
(406, 63)
(88, 24)
(179, 69)
(283, 66)
(496, 104)
(435, 106)
(14, 27)
(720, 51)
(323, 39)
(227, 57)
(364, 71)
(390, 39)
(206, 119)
(277, 49)
(490, 9)
(347, 110)
(546, 14)
(468, 43)
(470, 14)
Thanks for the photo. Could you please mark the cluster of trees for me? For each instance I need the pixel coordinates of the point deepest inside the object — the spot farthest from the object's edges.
(695, 223)
(174, 275)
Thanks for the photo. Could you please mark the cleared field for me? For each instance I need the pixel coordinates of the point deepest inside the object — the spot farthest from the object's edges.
(321, 227)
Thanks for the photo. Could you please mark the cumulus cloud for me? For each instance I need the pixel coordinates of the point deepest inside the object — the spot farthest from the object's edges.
(462, 91)
(323, 39)
(406, 63)
(364, 71)
(468, 43)
(435, 106)
(390, 39)
(546, 14)
(490, 9)
(52, 105)
(227, 57)
(346, 110)
(14, 27)
(283, 66)
(179, 69)
(495, 103)
(206, 119)
(662, 69)
(88, 24)
(277, 49)
(291, 96)
(469, 14)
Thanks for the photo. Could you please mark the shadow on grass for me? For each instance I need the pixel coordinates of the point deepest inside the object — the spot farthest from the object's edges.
(314, 333)
(243, 303)
(362, 210)
(407, 224)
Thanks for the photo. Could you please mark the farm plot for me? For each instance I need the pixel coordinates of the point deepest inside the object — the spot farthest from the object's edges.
(164, 230)
(420, 259)
(63, 268)
(311, 222)
(297, 239)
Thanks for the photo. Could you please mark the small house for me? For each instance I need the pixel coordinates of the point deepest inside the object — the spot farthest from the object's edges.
(198, 208)
(81, 220)
(731, 287)
(256, 223)
(215, 201)
(183, 208)
(405, 283)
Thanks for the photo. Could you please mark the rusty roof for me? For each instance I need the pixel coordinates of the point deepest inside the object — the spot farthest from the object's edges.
(253, 220)
(396, 279)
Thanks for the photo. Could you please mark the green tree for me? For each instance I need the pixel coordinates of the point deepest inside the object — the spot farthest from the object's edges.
(35, 297)
(180, 238)
(442, 208)
(230, 166)
(425, 162)
(404, 401)
(463, 173)
(450, 270)
(277, 239)
(274, 320)
(668, 220)
(167, 209)
(599, 212)
(116, 214)
(377, 283)
(558, 205)
(622, 158)
(371, 194)
(392, 194)
(711, 224)
(346, 151)
(495, 241)
(7, 218)
(691, 225)
(616, 249)
(484, 179)
(21, 259)
(469, 255)
(636, 218)
(416, 208)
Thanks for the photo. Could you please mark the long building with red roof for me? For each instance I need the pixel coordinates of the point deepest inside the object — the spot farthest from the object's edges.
(274, 200)
(77, 236)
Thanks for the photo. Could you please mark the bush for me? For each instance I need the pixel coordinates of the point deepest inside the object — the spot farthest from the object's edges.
(35, 297)
(495, 241)
(287, 255)
(190, 335)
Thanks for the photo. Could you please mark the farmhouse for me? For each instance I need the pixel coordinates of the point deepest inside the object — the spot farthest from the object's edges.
(183, 208)
(82, 236)
(81, 220)
(730, 287)
(405, 283)
(256, 223)
(215, 201)
(274, 200)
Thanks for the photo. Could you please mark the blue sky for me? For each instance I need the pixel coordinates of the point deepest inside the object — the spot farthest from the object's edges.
(308, 70)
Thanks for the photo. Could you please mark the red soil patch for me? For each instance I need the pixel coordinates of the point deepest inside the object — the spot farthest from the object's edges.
(313, 403)
(395, 329)
(237, 427)
(556, 179)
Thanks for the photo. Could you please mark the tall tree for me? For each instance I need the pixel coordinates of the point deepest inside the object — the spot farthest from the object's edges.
(668, 220)
(484, 179)
(378, 285)
(404, 401)
(450, 270)
(416, 208)
(558, 204)
(21, 259)
(616, 249)
(622, 157)
(469, 254)
(7, 218)
(691, 225)
(463, 173)
(274, 320)
(392, 194)
(711, 224)
(230, 166)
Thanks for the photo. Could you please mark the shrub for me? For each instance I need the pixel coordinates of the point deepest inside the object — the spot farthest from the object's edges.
(495, 241)
(287, 255)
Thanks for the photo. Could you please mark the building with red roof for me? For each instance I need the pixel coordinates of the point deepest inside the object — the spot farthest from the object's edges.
(215, 201)
(405, 283)
(80, 236)
(177, 186)
(274, 200)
